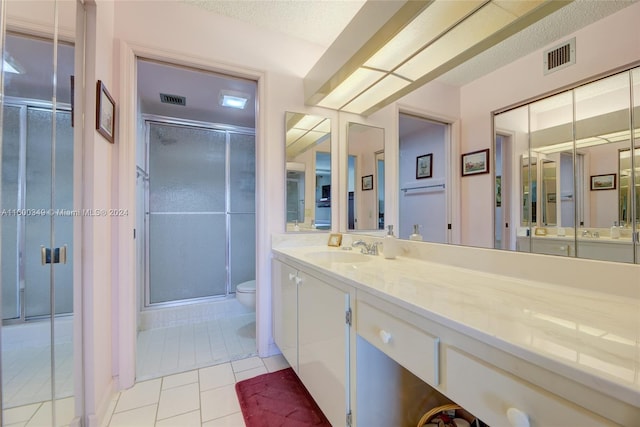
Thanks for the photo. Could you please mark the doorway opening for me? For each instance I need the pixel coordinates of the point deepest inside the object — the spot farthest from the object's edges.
(504, 237)
(195, 218)
(423, 170)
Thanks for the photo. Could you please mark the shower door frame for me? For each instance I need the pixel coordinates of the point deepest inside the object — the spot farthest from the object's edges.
(148, 119)
(24, 105)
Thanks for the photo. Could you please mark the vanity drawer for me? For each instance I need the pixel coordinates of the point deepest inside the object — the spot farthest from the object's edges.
(490, 393)
(411, 347)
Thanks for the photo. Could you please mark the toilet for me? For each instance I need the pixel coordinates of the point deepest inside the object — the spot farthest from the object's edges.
(246, 294)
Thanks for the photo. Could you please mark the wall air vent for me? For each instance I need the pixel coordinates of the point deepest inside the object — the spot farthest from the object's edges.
(173, 99)
(560, 57)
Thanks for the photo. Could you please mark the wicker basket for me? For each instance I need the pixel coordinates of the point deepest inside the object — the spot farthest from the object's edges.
(435, 411)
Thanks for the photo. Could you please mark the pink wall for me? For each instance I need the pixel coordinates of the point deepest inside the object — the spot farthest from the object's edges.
(605, 45)
(98, 234)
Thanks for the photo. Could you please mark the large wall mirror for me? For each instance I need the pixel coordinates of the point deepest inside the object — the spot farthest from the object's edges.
(365, 177)
(422, 170)
(564, 173)
(308, 169)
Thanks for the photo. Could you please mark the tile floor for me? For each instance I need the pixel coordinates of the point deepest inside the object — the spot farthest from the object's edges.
(169, 350)
(204, 397)
(26, 362)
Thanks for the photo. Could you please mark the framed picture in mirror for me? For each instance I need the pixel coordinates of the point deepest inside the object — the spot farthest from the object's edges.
(367, 182)
(423, 166)
(603, 182)
(475, 163)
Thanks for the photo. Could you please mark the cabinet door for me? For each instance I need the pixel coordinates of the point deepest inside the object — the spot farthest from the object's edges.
(323, 345)
(285, 311)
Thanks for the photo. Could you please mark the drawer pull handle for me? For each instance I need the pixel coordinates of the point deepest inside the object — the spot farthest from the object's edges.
(298, 280)
(292, 276)
(385, 336)
(517, 418)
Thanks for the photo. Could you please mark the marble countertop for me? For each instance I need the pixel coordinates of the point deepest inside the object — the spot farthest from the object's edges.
(590, 337)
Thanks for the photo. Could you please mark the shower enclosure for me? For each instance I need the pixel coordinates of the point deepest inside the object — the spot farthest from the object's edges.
(28, 204)
(199, 185)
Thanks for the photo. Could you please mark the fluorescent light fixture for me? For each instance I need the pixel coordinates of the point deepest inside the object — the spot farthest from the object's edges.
(421, 41)
(304, 132)
(589, 142)
(233, 99)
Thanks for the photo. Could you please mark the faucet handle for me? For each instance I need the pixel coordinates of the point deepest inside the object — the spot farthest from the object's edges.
(374, 248)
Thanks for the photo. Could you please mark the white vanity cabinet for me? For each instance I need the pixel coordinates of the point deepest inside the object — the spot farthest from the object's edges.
(502, 399)
(320, 314)
(414, 338)
(285, 311)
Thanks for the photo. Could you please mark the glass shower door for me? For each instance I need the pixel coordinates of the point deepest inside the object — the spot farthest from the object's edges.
(187, 213)
(242, 208)
(201, 212)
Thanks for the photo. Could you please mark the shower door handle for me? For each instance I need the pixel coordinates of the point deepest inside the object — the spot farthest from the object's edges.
(55, 256)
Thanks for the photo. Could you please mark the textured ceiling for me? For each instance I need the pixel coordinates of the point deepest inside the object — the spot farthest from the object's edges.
(316, 21)
(321, 21)
(565, 21)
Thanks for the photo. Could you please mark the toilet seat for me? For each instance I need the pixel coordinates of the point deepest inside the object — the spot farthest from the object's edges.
(246, 294)
(248, 287)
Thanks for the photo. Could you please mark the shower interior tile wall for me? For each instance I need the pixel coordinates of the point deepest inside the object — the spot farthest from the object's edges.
(191, 313)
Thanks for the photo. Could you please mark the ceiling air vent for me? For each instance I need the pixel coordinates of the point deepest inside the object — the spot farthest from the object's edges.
(173, 99)
(560, 57)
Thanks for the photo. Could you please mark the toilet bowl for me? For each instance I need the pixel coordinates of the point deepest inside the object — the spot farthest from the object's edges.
(246, 294)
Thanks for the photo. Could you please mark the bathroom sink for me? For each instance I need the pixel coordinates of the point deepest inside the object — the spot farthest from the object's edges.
(330, 257)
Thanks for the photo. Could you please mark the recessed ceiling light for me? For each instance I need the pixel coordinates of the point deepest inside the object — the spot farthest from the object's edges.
(233, 99)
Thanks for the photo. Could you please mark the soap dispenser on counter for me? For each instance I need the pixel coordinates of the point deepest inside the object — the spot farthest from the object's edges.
(615, 231)
(416, 233)
(390, 244)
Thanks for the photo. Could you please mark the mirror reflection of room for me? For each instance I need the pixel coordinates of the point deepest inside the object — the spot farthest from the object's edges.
(574, 195)
(422, 177)
(365, 186)
(308, 169)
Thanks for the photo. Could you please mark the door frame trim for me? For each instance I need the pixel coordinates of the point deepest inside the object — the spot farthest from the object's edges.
(126, 309)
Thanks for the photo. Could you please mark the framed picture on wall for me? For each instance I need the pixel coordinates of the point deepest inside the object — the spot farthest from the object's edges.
(603, 182)
(105, 112)
(475, 163)
(423, 166)
(367, 182)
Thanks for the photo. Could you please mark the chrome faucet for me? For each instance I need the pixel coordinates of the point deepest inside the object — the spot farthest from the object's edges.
(586, 233)
(369, 249)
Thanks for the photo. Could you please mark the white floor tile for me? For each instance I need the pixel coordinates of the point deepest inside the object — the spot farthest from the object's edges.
(233, 420)
(250, 373)
(42, 417)
(216, 376)
(177, 380)
(141, 394)
(139, 417)
(192, 419)
(179, 400)
(20, 414)
(169, 350)
(219, 402)
(275, 363)
(246, 364)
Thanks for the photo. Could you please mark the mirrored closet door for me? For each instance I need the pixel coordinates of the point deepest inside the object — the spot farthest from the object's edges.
(37, 221)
